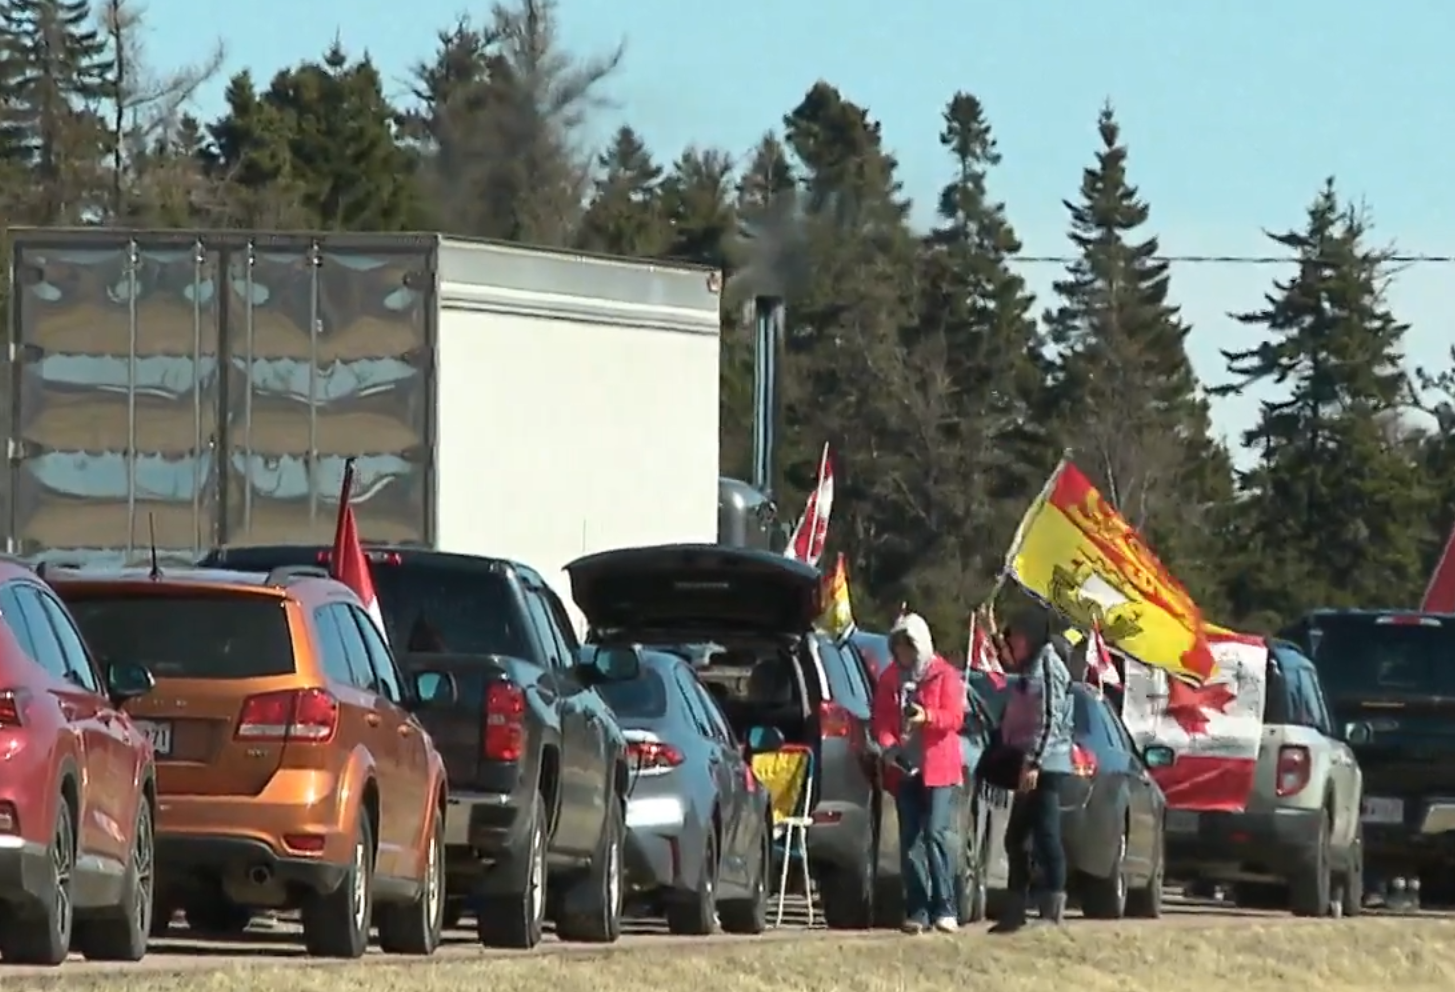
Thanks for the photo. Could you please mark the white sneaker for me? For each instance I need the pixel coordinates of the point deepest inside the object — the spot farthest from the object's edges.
(947, 924)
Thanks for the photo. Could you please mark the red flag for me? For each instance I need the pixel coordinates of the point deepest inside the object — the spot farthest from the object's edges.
(1100, 669)
(1440, 593)
(807, 542)
(349, 564)
(980, 656)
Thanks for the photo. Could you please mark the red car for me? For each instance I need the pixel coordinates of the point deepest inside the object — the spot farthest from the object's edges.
(76, 789)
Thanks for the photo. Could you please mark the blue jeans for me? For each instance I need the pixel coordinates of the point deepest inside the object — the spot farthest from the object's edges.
(926, 836)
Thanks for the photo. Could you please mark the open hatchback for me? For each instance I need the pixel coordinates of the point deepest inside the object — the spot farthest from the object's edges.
(695, 590)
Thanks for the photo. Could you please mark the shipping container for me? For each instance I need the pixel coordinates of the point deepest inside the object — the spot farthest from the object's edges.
(209, 387)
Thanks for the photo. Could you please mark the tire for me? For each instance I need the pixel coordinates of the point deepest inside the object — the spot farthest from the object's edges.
(1351, 891)
(417, 927)
(600, 922)
(847, 891)
(750, 916)
(1106, 898)
(695, 914)
(45, 938)
(972, 897)
(1310, 887)
(122, 935)
(1146, 903)
(336, 924)
(517, 920)
(216, 916)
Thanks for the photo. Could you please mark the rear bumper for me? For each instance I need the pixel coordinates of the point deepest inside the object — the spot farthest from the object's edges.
(1426, 837)
(185, 859)
(653, 861)
(486, 839)
(841, 836)
(1236, 844)
(26, 878)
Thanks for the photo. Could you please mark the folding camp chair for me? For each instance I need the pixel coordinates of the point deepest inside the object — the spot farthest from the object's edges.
(787, 775)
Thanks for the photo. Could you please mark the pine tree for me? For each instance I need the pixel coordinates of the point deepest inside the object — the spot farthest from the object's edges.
(1334, 509)
(626, 215)
(1125, 396)
(697, 205)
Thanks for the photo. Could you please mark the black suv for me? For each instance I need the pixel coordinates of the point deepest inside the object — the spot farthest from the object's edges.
(537, 768)
(1390, 680)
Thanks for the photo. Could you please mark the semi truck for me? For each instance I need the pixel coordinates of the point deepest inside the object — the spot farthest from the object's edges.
(202, 390)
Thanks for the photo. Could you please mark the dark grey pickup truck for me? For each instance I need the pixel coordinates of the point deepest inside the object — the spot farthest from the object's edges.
(536, 761)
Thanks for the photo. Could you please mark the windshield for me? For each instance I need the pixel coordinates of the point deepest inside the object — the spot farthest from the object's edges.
(641, 698)
(1359, 655)
(189, 637)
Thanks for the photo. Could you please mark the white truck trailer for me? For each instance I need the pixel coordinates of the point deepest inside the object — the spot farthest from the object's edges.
(497, 399)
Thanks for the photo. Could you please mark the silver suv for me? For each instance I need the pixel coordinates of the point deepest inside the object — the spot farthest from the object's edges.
(1298, 844)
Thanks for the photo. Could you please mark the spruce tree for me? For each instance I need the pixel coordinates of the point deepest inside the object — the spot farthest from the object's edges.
(626, 215)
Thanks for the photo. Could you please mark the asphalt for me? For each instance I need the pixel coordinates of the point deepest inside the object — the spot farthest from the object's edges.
(280, 945)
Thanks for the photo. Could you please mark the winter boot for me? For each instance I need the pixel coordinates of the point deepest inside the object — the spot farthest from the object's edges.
(1012, 915)
(1053, 906)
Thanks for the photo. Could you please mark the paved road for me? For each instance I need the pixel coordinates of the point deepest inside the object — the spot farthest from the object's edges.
(281, 946)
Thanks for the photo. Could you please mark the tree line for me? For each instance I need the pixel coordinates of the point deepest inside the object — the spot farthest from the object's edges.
(947, 390)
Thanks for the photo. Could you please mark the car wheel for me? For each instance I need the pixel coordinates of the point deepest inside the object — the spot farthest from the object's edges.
(122, 935)
(1310, 887)
(1106, 898)
(336, 924)
(1351, 892)
(695, 914)
(597, 918)
(518, 920)
(1146, 903)
(750, 916)
(847, 891)
(45, 938)
(416, 927)
(970, 885)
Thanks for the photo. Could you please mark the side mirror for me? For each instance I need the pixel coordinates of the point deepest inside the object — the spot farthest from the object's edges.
(1158, 756)
(609, 663)
(1358, 733)
(433, 690)
(127, 680)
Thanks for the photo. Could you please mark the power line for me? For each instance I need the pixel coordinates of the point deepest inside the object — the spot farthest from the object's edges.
(1417, 259)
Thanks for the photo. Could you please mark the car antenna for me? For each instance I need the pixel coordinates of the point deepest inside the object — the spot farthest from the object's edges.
(156, 571)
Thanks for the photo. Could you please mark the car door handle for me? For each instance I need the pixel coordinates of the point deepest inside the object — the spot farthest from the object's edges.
(373, 720)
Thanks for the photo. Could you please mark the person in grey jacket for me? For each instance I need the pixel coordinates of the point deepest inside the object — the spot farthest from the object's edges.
(1038, 722)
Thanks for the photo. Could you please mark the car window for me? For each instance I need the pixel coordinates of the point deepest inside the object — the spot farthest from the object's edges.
(722, 730)
(1312, 697)
(1368, 655)
(842, 688)
(331, 647)
(381, 661)
(46, 645)
(559, 655)
(861, 687)
(1116, 727)
(188, 636)
(641, 698)
(73, 649)
(361, 674)
(14, 618)
(695, 709)
(1091, 728)
(562, 619)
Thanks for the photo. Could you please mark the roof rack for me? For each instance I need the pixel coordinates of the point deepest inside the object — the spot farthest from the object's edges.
(284, 574)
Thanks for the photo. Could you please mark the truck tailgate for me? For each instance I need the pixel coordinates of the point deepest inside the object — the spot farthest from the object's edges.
(458, 729)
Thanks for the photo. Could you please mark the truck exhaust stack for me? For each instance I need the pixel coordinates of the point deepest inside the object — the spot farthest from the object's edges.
(768, 321)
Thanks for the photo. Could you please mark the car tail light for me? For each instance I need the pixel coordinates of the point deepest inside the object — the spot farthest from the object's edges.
(1295, 764)
(1083, 762)
(9, 819)
(503, 737)
(325, 557)
(647, 757)
(12, 708)
(834, 720)
(294, 715)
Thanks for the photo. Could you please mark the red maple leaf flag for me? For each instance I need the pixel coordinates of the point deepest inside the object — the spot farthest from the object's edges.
(349, 564)
(980, 655)
(1100, 669)
(1191, 705)
(809, 537)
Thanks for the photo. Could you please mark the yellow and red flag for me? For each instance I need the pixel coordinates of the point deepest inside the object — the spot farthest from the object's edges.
(1074, 551)
(838, 613)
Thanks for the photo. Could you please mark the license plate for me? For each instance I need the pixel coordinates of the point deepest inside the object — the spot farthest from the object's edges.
(1377, 809)
(1181, 821)
(160, 734)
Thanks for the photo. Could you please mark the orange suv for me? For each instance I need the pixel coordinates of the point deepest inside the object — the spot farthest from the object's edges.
(291, 770)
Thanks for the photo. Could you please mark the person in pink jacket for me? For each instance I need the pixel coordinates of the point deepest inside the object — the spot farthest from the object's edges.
(919, 707)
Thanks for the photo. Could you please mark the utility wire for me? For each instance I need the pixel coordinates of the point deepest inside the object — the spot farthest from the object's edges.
(1233, 259)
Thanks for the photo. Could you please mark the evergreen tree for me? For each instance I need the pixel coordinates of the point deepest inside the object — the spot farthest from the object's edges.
(1125, 396)
(697, 205)
(1330, 513)
(626, 215)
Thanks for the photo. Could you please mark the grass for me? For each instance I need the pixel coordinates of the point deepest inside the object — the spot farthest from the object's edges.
(1351, 956)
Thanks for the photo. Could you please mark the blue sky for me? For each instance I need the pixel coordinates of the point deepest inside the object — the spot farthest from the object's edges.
(1234, 111)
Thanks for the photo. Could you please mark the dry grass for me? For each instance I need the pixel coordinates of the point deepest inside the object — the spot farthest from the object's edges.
(1362, 956)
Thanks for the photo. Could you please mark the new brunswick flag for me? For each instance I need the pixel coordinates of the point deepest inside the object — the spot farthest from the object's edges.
(1075, 552)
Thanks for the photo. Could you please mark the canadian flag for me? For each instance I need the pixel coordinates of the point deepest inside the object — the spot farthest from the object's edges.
(980, 655)
(349, 564)
(807, 542)
(1100, 669)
